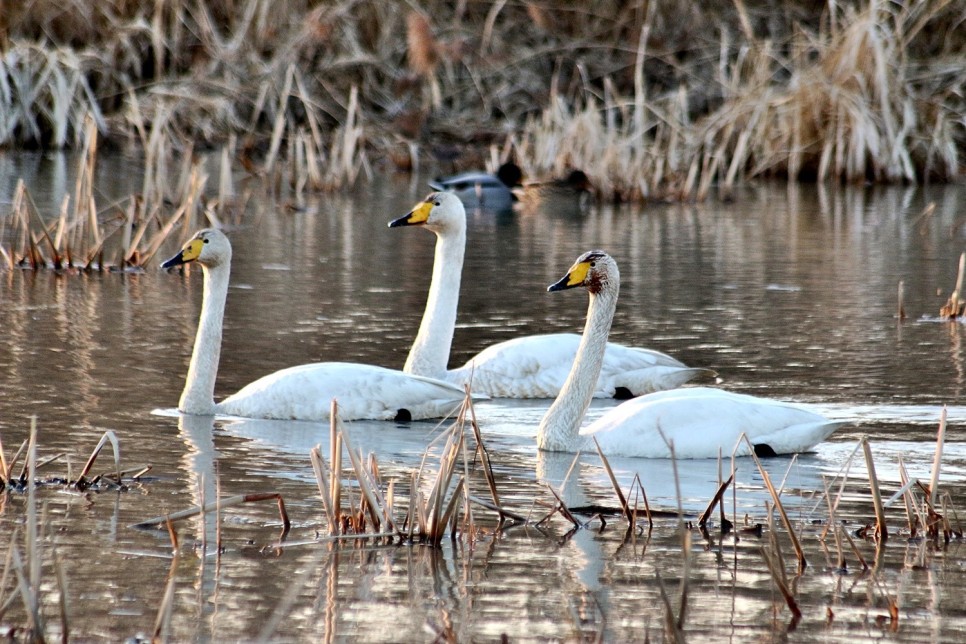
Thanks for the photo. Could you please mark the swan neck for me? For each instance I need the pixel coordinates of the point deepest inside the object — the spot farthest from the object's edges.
(560, 427)
(429, 355)
(198, 396)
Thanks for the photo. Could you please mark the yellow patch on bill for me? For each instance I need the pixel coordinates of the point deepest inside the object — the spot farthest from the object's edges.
(192, 250)
(420, 214)
(578, 273)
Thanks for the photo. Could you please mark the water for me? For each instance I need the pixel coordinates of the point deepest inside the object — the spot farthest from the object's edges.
(786, 292)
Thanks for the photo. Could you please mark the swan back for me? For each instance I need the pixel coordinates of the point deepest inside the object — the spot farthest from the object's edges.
(701, 421)
(597, 272)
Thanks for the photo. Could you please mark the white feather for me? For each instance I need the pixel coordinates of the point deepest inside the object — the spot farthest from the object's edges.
(527, 367)
(700, 422)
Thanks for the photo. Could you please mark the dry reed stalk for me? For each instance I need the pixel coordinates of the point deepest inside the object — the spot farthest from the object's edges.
(564, 511)
(955, 307)
(484, 455)
(501, 511)
(843, 472)
(881, 530)
(799, 552)
(672, 629)
(220, 504)
(162, 622)
(63, 608)
(715, 501)
(777, 573)
(613, 481)
(842, 566)
(368, 485)
(901, 299)
(937, 459)
(421, 47)
(32, 546)
(912, 514)
(107, 436)
(322, 479)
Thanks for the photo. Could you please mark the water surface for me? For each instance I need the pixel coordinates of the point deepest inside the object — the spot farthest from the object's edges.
(786, 292)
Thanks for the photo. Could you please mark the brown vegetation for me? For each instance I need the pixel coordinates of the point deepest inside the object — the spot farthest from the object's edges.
(653, 100)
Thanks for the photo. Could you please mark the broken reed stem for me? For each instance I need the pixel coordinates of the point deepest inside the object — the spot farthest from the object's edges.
(498, 509)
(482, 451)
(32, 547)
(802, 563)
(335, 457)
(715, 500)
(231, 501)
(162, 622)
(108, 436)
(912, 517)
(774, 567)
(937, 460)
(613, 480)
(564, 510)
(901, 296)
(881, 530)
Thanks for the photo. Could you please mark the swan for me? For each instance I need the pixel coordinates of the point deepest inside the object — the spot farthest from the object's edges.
(482, 190)
(533, 366)
(699, 421)
(304, 392)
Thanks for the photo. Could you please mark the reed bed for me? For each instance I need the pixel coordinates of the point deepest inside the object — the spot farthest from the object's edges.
(653, 101)
(360, 504)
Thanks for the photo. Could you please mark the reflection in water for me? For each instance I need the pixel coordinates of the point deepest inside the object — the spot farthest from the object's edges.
(788, 292)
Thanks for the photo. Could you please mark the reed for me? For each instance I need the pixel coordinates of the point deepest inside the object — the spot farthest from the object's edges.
(846, 93)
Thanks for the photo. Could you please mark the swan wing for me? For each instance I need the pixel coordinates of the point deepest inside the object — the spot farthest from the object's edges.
(700, 421)
(363, 391)
(536, 366)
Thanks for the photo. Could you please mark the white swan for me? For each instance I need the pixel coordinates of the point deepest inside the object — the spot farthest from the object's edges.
(532, 366)
(304, 392)
(700, 421)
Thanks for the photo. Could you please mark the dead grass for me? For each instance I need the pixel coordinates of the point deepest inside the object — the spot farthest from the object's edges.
(654, 101)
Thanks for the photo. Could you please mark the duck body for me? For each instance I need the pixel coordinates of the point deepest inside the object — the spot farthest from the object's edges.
(527, 367)
(699, 421)
(564, 196)
(483, 190)
(536, 366)
(298, 393)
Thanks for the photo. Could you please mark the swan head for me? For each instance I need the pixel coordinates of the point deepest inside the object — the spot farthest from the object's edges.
(439, 212)
(208, 247)
(594, 270)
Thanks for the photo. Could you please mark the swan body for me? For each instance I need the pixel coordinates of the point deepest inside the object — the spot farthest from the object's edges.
(304, 392)
(482, 190)
(536, 366)
(527, 367)
(700, 422)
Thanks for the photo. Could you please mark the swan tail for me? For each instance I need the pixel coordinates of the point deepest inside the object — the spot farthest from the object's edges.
(659, 378)
(797, 438)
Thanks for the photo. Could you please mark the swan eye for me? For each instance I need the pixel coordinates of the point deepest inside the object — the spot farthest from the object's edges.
(436, 203)
(205, 240)
(593, 264)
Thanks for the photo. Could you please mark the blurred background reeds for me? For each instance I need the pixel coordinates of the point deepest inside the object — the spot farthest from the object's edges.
(655, 101)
